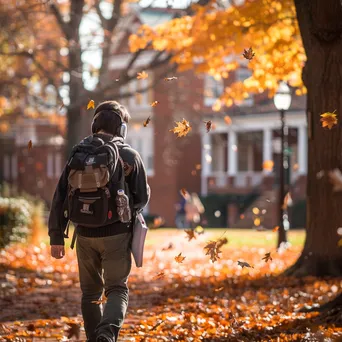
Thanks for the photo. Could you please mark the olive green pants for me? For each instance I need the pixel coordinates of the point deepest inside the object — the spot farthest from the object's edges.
(104, 264)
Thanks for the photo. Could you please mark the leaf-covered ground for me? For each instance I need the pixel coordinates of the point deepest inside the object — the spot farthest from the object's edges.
(189, 300)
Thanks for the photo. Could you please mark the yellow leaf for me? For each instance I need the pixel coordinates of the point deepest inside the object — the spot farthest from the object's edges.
(339, 244)
(91, 104)
(154, 103)
(179, 258)
(227, 120)
(268, 165)
(329, 119)
(182, 128)
(142, 75)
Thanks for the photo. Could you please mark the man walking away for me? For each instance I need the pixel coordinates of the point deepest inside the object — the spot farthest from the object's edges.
(101, 189)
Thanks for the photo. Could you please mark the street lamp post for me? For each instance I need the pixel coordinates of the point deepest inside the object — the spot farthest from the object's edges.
(282, 101)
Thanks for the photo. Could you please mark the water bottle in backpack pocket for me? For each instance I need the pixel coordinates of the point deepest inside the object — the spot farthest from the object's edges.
(122, 205)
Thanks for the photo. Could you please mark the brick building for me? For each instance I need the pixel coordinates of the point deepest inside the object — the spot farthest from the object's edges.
(227, 161)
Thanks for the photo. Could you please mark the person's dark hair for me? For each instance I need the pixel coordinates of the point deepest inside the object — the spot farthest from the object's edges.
(108, 117)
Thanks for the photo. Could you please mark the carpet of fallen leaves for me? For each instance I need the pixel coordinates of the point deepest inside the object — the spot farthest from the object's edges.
(191, 300)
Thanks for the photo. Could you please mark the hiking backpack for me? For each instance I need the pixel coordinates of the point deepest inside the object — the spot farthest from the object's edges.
(96, 174)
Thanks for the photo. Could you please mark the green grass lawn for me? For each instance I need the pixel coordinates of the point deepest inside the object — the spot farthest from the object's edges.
(236, 237)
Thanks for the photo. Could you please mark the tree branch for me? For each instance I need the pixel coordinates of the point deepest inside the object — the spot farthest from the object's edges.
(63, 25)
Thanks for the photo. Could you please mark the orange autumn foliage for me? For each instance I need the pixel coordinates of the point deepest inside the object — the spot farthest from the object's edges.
(213, 39)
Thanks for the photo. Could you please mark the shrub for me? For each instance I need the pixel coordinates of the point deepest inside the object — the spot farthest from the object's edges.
(15, 218)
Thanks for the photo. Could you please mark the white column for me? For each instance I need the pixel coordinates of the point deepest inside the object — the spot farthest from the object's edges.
(267, 147)
(302, 150)
(206, 162)
(232, 153)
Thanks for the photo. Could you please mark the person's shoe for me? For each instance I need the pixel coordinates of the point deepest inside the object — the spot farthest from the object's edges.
(104, 338)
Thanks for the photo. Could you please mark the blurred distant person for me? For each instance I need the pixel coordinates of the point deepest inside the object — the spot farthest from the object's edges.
(193, 210)
(180, 213)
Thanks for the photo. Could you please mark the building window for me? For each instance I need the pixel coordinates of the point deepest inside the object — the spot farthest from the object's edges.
(142, 142)
(14, 166)
(58, 165)
(7, 167)
(50, 165)
(213, 89)
(241, 75)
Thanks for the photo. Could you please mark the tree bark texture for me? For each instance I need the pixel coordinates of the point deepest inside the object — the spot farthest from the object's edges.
(320, 23)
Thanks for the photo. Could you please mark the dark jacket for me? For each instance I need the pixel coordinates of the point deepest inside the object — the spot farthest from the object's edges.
(137, 183)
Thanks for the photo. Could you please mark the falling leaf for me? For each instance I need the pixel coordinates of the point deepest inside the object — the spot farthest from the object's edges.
(198, 166)
(179, 258)
(91, 104)
(219, 289)
(248, 54)
(267, 257)
(169, 247)
(184, 192)
(287, 201)
(339, 244)
(227, 120)
(61, 107)
(208, 125)
(154, 103)
(74, 330)
(242, 216)
(244, 264)
(267, 165)
(329, 119)
(193, 173)
(275, 229)
(214, 248)
(159, 275)
(29, 145)
(102, 300)
(142, 75)
(190, 234)
(170, 78)
(147, 121)
(182, 128)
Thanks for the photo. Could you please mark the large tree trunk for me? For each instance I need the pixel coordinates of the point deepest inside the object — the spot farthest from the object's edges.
(320, 24)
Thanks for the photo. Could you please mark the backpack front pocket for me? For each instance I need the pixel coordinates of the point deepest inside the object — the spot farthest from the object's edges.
(89, 209)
